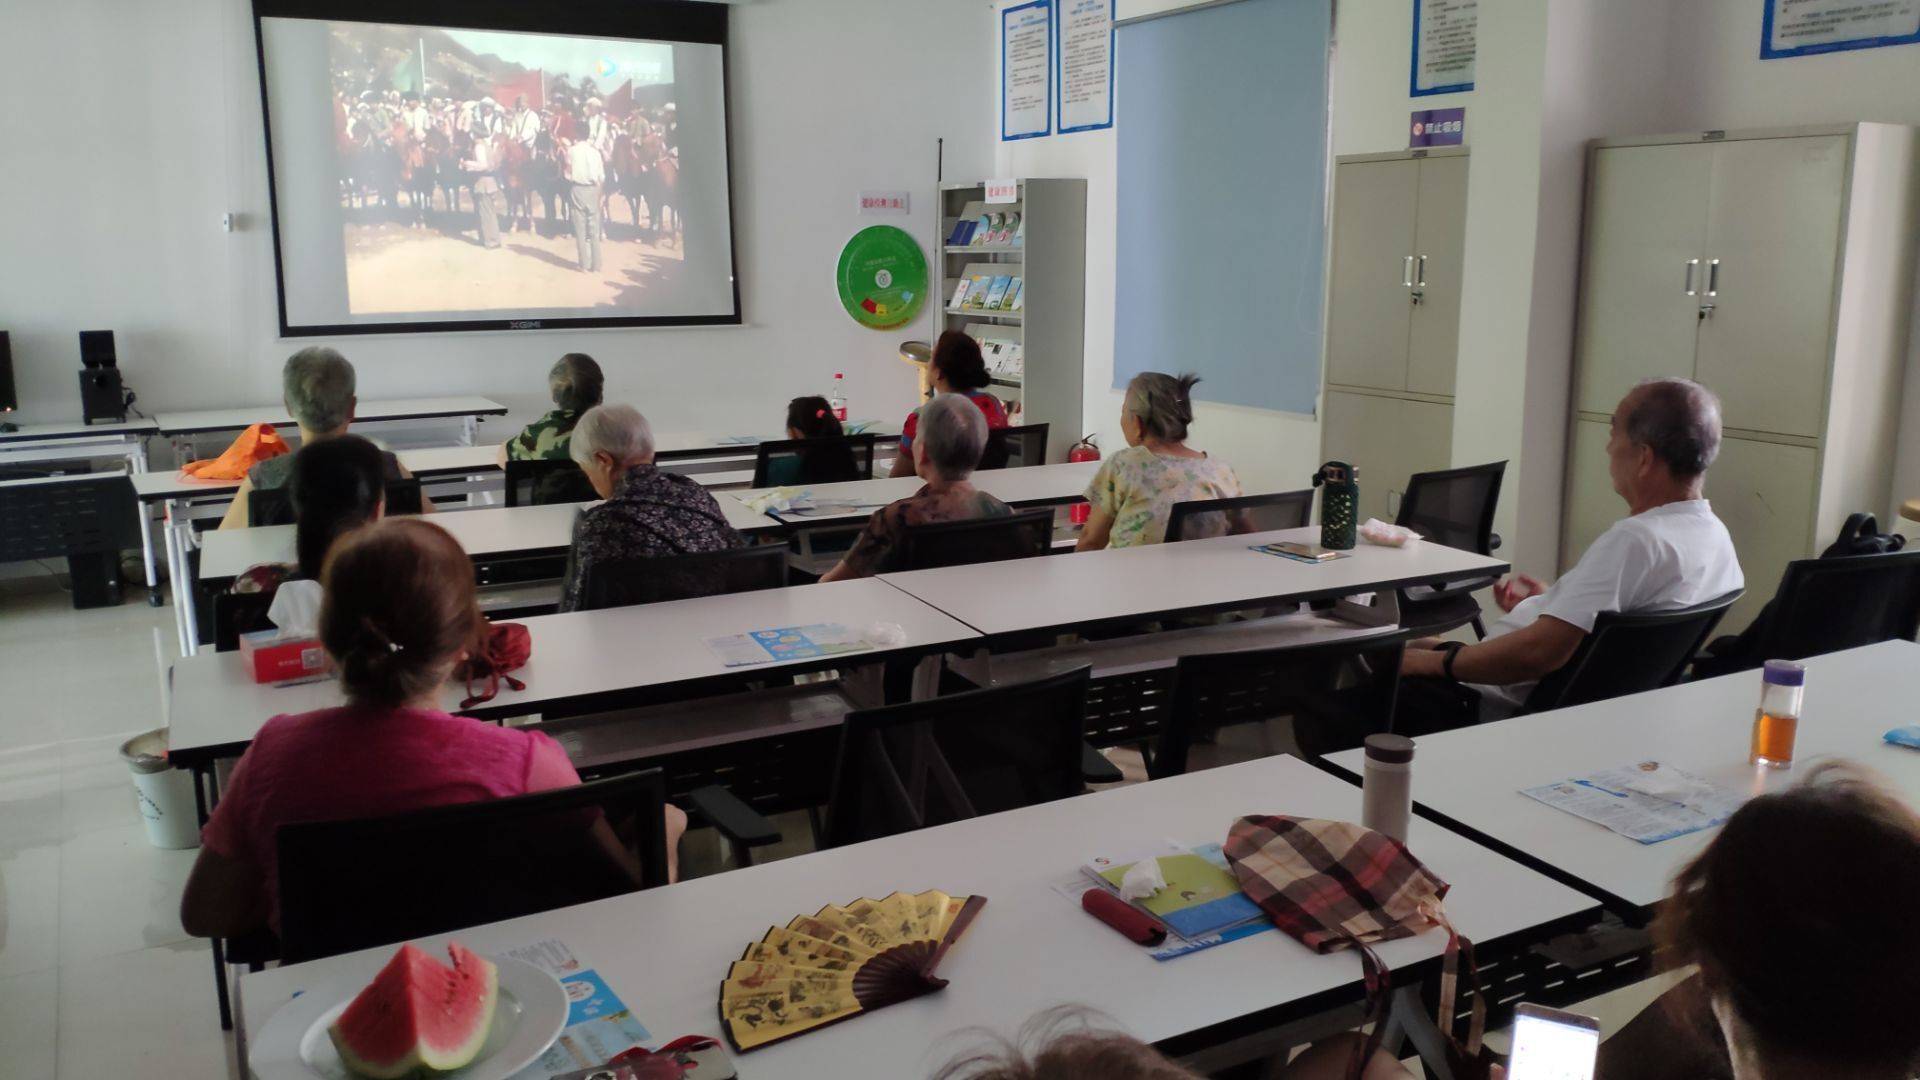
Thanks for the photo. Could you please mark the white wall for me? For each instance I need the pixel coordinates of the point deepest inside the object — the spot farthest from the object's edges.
(133, 125)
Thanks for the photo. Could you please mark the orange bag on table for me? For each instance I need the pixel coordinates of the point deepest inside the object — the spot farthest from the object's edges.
(255, 445)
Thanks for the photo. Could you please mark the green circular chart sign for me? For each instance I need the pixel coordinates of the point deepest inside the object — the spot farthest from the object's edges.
(882, 277)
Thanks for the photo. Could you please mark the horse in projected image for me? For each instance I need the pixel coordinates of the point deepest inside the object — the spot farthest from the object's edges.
(647, 170)
(418, 178)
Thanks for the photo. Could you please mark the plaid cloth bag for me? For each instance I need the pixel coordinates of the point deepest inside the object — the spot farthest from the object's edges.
(1334, 885)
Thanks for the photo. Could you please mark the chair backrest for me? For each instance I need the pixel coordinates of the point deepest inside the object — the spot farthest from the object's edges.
(831, 460)
(1825, 605)
(235, 614)
(547, 481)
(1337, 693)
(355, 884)
(1454, 506)
(1015, 447)
(974, 540)
(920, 763)
(624, 582)
(1628, 653)
(274, 506)
(1244, 514)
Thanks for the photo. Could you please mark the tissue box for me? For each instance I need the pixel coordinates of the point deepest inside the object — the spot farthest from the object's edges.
(274, 658)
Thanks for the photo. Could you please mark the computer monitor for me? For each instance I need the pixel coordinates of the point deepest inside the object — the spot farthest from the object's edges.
(9, 398)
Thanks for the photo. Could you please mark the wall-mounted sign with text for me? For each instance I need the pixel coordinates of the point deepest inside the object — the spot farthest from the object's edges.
(1437, 127)
(1446, 36)
(1807, 27)
(1000, 191)
(885, 202)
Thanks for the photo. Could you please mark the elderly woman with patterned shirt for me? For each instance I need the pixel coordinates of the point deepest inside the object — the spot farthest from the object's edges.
(953, 434)
(648, 512)
(575, 384)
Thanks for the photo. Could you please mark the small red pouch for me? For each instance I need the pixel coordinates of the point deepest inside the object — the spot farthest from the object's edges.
(1134, 925)
(506, 647)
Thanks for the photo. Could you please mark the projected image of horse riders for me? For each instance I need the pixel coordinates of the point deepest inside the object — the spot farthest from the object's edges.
(496, 170)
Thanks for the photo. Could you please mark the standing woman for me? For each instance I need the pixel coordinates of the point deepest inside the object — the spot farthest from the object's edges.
(1136, 489)
(956, 368)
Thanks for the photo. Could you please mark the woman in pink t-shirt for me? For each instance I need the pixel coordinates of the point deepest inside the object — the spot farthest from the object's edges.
(957, 367)
(399, 614)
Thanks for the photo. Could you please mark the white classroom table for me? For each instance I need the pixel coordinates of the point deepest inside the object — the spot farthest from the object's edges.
(491, 532)
(1470, 779)
(665, 951)
(215, 706)
(1118, 585)
(467, 408)
(79, 441)
(1029, 486)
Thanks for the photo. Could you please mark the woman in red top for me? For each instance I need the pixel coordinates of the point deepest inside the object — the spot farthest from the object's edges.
(956, 368)
(399, 614)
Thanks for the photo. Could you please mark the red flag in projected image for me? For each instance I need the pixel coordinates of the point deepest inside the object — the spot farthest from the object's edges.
(620, 102)
(507, 91)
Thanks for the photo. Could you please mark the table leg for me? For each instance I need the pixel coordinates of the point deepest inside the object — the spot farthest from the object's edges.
(1408, 1016)
(179, 580)
(469, 427)
(137, 463)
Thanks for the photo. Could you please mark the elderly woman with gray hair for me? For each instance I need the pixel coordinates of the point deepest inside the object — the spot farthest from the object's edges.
(317, 386)
(648, 512)
(575, 384)
(952, 436)
(1135, 490)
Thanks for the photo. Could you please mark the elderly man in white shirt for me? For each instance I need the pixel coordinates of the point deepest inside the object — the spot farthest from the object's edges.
(585, 172)
(1670, 552)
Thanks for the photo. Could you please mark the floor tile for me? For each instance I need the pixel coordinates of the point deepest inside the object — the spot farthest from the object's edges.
(27, 1006)
(148, 1014)
(119, 894)
(29, 910)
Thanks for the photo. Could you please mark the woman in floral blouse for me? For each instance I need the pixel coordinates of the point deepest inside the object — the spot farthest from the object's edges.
(1136, 489)
(953, 434)
(648, 512)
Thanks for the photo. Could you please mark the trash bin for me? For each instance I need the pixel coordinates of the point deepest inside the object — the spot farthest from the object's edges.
(163, 794)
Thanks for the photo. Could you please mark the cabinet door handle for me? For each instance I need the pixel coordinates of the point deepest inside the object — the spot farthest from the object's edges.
(1420, 275)
(1713, 277)
(1692, 265)
(1406, 273)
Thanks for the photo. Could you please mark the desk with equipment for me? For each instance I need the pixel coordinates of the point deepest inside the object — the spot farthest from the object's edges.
(665, 951)
(96, 571)
(1471, 780)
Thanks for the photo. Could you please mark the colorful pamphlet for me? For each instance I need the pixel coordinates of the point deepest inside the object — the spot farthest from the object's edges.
(1648, 802)
(1016, 294)
(599, 1025)
(960, 288)
(976, 293)
(983, 231)
(787, 643)
(996, 292)
(962, 232)
(1200, 896)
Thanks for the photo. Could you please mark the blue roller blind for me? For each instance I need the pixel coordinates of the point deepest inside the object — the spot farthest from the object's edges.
(1222, 146)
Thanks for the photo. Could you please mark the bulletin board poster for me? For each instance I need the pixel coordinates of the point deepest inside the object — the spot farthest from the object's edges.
(882, 277)
(1809, 27)
(1083, 72)
(1026, 70)
(1445, 44)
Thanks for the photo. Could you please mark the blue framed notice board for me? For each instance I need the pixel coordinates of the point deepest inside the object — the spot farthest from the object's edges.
(1810, 27)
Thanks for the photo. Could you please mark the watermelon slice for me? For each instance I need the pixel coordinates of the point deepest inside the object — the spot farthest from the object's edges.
(419, 1015)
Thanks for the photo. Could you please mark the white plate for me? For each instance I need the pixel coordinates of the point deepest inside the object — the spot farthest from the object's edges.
(531, 1014)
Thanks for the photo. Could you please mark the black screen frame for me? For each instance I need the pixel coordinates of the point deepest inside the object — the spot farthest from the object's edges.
(699, 22)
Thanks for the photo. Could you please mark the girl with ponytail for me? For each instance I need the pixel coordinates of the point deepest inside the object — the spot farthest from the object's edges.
(1136, 489)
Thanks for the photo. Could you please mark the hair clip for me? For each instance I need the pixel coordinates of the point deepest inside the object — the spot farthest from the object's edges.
(819, 414)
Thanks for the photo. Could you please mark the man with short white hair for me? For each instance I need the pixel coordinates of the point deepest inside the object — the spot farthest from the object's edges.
(648, 512)
(952, 436)
(1670, 552)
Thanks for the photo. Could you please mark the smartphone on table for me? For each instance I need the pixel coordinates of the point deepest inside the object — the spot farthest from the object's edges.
(1552, 1045)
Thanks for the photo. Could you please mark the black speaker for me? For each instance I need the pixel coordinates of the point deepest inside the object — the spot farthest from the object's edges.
(102, 398)
(96, 349)
(9, 399)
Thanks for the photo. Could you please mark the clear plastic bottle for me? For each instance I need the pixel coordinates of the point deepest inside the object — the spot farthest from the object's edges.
(1783, 685)
(837, 401)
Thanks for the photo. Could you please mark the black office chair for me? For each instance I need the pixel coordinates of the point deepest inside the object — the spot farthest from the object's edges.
(547, 481)
(1015, 447)
(1337, 693)
(624, 582)
(356, 884)
(975, 540)
(908, 766)
(830, 460)
(1825, 605)
(1202, 518)
(1626, 654)
(1453, 507)
(235, 614)
(274, 506)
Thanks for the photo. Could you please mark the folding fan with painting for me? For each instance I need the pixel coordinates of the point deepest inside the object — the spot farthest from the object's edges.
(839, 963)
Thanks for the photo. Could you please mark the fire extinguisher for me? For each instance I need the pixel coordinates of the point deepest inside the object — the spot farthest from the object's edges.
(1084, 450)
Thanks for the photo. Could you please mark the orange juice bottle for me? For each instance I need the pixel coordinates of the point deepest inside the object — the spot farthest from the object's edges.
(1777, 721)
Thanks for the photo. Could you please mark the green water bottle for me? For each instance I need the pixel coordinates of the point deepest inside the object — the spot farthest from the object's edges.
(1339, 505)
